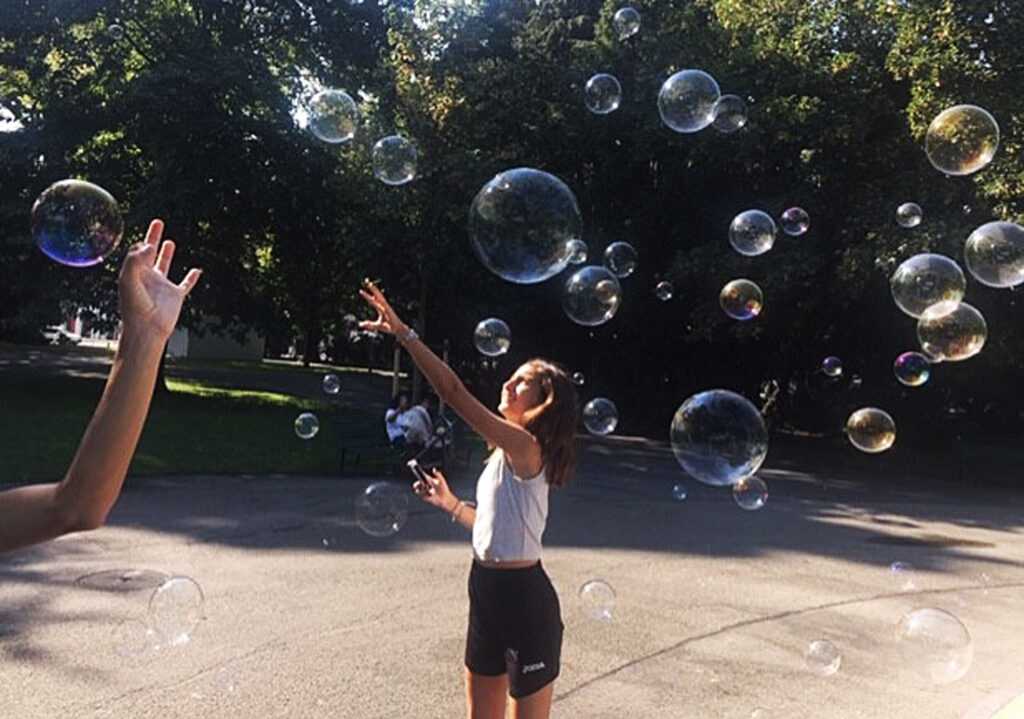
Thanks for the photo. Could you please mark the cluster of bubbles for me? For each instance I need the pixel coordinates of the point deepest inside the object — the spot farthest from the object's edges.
(174, 611)
(492, 337)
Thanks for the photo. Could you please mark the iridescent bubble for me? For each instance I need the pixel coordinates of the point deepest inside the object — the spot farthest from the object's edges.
(626, 22)
(578, 379)
(598, 599)
(115, 32)
(577, 252)
(664, 290)
(822, 657)
(382, 509)
(832, 366)
(600, 416)
(679, 492)
(602, 93)
(750, 493)
(994, 254)
(870, 429)
(741, 299)
(718, 437)
(331, 384)
(394, 160)
(953, 337)
(928, 285)
(909, 214)
(912, 369)
(591, 296)
(520, 225)
(492, 337)
(752, 233)
(76, 223)
(175, 609)
(333, 116)
(903, 576)
(686, 101)
(306, 425)
(935, 645)
(620, 258)
(795, 221)
(962, 140)
(730, 113)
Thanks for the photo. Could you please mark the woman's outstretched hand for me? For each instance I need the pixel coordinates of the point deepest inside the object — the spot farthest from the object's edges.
(434, 489)
(387, 319)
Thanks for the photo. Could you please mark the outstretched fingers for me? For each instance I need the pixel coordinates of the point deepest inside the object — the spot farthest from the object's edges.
(190, 281)
(163, 260)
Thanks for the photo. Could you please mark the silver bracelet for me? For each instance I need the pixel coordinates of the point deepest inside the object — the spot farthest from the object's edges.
(408, 336)
(458, 510)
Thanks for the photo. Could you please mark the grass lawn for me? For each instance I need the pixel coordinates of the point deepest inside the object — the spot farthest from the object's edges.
(196, 429)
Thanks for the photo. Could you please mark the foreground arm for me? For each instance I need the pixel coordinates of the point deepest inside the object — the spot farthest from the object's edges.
(150, 304)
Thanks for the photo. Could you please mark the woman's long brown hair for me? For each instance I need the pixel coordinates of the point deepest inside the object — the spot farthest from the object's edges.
(553, 421)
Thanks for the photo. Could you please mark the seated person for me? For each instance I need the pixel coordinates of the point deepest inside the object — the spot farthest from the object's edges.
(418, 427)
(395, 420)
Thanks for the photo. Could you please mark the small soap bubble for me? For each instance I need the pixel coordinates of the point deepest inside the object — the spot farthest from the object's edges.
(663, 291)
(953, 337)
(578, 379)
(822, 657)
(912, 369)
(730, 114)
(750, 493)
(175, 609)
(752, 232)
(903, 576)
(382, 509)
(331, 384)
(76, 223)
(679, 492)
(620, 258)
(935, 645)
(492, 337)
(741, 299)
(600, 416)
(591, 296)
(626, 22)
(909, 214)
(962, 140)
(928, 285)
(306, 425)
(795, 221)
(115, 32)
(577, 252)
(598, 599)
(394, 160)
(602, 93)
(686, 101)
(870, 429)
(994, 254)
(333, 116)
(718, 437)
(832, 366)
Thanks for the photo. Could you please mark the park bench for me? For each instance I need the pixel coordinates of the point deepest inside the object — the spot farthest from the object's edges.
(362, 445)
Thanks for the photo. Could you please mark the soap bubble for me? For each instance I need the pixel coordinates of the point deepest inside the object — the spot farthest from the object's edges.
(520, 225)
(394, 160)
(686, 101)
(591, 296)
(718, 437)
(679, 492)
(132, 640)
(928, 285)
(307, 425)
(331, 384)
(492, 337)
(912, 369)
(578, 379)
(598, 599)
(620, 258)
(870, 429)
(664, 290)
(577, 252)
(175, 609)
(333, 115)
(935, 645)
(822, 657)
(382, 508)
(600, 416)
(962, 140)
(832, 366)
(626, 22)
(909, 214)
(752, 233)
(76, 223)
(795, 221)
(750, 493)
(741, 299)
(903, 576)
(953, 337)
(994, 254)
(730, 113)
(115, 32)
(602, 93)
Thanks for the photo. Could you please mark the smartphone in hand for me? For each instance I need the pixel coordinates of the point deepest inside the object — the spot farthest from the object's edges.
(422, 484)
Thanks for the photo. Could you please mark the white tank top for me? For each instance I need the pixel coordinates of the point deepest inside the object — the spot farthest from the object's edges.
(511, 513)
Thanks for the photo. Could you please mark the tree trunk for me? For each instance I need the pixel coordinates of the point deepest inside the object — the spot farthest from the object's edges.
(421, 329)
(161, 375)
(310, 352)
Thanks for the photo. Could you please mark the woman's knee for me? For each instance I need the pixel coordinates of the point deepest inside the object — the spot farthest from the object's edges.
(485, 696)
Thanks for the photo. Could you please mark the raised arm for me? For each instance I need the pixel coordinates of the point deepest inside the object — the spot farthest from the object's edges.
(150, 304)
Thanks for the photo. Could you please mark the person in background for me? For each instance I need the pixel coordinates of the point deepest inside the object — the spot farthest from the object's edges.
(419, 427)
(395, 420)
(150, 304)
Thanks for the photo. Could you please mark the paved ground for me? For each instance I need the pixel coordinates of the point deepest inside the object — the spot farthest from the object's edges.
(306, 616)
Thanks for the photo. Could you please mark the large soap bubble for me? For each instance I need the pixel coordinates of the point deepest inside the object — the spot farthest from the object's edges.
(994, 254)
(600, 416)
(382, 509)
(620, 258)
(626, 22)
(953, 337)
(520, 225)
(76, 223)
(912, 369)
(928, 285)
(870, 429)
(394, 160)
(686, 101)
(333, 116)
(752, 232)
(718, 437)
(730, 114)
(961, 140)
(935, 645)
(741, 299)
(602, 93)
(492, 337)
(591, 296)
(175, 609)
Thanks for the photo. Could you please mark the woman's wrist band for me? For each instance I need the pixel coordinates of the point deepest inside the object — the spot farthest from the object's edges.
(458, 510)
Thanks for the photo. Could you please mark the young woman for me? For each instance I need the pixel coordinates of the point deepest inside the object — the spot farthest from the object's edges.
(514, 641)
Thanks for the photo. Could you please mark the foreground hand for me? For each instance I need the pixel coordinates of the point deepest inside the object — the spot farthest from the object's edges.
(434, 490)
(387, 319)
(149, 301)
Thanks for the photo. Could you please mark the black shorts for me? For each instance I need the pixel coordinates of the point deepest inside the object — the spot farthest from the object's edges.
(515, 627)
